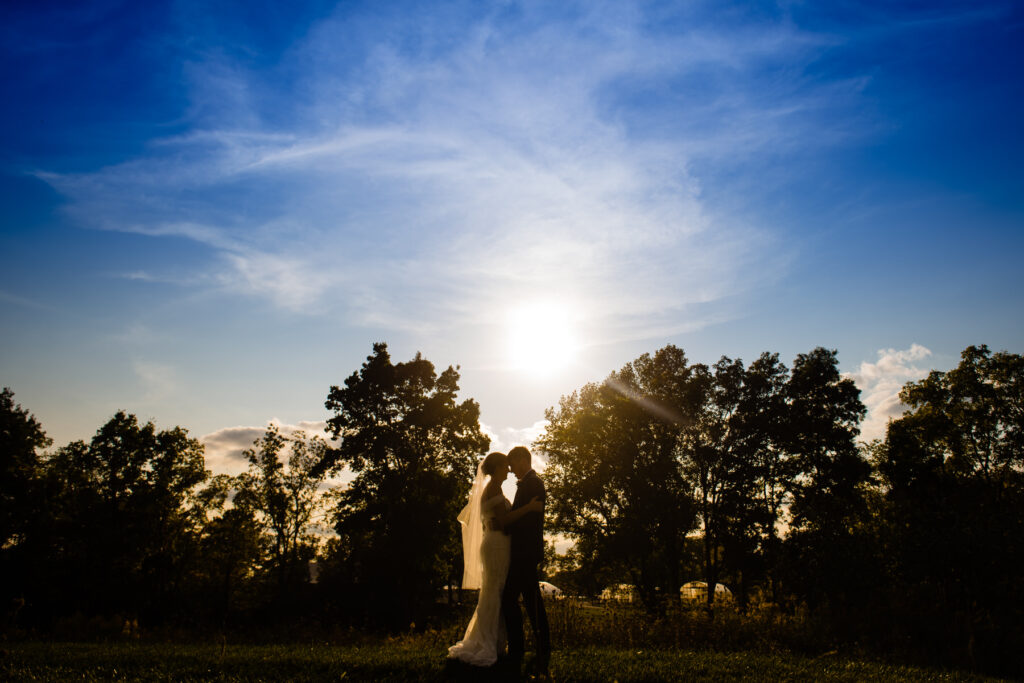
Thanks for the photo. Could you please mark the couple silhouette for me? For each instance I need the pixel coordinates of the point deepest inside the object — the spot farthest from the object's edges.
(503, 546)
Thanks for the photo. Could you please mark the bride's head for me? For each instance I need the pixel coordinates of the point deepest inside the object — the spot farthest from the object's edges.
(495, 466)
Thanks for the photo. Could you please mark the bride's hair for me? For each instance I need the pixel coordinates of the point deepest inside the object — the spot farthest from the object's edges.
(491, 462)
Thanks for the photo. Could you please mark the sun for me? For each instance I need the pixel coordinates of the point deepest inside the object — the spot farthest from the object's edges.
(540, 337)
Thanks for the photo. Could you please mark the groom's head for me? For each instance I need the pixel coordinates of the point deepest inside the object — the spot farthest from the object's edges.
(519, 461)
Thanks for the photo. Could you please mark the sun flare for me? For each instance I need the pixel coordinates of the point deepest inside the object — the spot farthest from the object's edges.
(540, 337)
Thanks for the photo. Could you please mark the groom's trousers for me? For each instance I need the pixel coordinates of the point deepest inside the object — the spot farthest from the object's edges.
(522, 581)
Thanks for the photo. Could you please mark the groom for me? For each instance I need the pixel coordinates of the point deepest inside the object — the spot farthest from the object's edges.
(527, 541)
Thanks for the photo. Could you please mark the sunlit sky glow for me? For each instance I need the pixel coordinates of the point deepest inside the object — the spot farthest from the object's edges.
(541, 338)
(212, 210)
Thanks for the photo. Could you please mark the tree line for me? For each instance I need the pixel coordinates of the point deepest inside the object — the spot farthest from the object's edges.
(753, 476)
(132, 525)
(748, 475)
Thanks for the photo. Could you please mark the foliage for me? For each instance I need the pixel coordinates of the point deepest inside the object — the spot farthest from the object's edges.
(21, 499)
(281, 497)
(21, 438)
(636, 459)
(824, 413)
(968, 421)
(763, 478)
(826, 552)
(614, 478)
(232, 549)
(413, 451)
(734, 454)
(954, 492)
(911, 545)
(120, 525)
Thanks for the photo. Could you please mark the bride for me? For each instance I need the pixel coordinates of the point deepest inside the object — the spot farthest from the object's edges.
(486, 551)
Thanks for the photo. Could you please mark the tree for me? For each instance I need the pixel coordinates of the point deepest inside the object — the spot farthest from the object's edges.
(710, 460)
(122, 518)
(282, 499)
(735, 462)
(829, 489)
(769, 472)
(412, 448)
(231, 545)
(21, 438)
(614, 477)
(953, 473)
(21, 502)
(740, 470)
(970, 420)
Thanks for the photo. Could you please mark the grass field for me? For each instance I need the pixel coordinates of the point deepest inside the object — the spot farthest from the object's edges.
(417, 658)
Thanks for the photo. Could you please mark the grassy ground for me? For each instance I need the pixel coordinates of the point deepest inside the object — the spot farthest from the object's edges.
(417, 658)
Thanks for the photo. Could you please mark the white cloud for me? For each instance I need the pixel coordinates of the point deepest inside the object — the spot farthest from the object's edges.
(880, 383)
(506, 438)
(225, 447)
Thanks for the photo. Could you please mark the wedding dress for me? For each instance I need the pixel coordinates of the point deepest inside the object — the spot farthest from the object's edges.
(486, 569)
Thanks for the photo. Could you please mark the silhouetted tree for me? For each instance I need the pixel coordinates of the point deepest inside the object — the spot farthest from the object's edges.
(757, 472)
(232, 545)
(21, 501)
(713, 463)
(123, 520)
(763, 423)
(614, 477)
(281, 495)
(735, 459)
(826, 540)
(720, 460)
(21, 438)
(412, 448)
(953, 469)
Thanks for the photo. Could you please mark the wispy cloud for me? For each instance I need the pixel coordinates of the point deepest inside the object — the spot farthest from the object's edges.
(23, 302)
(158, 380)
(880, 383)
(423, 188)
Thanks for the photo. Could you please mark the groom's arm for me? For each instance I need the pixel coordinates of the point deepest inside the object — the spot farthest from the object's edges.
(532, 489)
(535, 489)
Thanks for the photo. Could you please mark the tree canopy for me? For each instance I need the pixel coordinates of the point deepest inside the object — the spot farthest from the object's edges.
(280, 491)
(747, 475)
(952, 469)
(413, 448)
(21, 440)
(664, 447)
(122, 516)
(615, 480)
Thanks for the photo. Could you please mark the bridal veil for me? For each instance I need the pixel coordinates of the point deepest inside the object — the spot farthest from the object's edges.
(473, 533)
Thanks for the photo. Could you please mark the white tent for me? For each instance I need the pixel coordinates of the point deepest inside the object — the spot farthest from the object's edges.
(698, 591)
(548, 590)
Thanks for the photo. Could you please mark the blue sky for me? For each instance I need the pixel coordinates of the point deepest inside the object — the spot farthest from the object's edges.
(212, 210)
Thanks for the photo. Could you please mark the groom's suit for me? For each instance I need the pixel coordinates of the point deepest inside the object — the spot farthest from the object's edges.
(527, 542)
